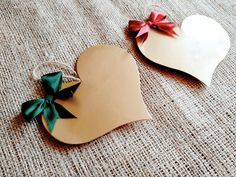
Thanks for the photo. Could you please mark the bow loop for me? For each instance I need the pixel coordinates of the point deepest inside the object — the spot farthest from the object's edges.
(52, 82)
(156, 17)
(167, 27)
(31, 109)
(135, 25)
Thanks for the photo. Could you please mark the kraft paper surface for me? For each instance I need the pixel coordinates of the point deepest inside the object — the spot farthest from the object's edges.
(109, 96)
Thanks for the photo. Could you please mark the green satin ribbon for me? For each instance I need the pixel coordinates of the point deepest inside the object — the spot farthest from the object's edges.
(47, 106)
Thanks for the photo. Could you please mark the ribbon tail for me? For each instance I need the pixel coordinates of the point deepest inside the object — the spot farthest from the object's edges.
(63, 113)
(51, 115)
(67, 92)
(144, 30)
(33, 108)
(142, 38)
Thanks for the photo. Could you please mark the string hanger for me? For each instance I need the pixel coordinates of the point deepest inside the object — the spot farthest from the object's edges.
(56, 63)
(154, 7)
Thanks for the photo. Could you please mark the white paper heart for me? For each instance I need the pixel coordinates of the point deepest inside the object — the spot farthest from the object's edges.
(109, 96)
(201, 44)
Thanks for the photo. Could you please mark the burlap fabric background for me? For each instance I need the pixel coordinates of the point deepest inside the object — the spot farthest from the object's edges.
(193, 131)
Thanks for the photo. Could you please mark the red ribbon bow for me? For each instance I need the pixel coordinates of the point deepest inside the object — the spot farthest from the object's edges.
(155, 20)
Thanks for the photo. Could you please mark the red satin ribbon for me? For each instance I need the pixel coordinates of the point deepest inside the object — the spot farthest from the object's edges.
(156, 21)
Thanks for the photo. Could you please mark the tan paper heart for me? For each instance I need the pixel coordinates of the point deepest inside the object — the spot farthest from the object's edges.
(109, 96)
(201, 44)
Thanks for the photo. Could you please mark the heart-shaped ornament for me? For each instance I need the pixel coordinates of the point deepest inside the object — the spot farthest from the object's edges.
(199, 46)
(109, 96)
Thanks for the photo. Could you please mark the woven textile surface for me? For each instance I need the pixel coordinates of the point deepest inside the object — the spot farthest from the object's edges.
(193, 131)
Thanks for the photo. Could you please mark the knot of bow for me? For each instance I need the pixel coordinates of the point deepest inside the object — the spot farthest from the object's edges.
(51, 110)
(156, 21)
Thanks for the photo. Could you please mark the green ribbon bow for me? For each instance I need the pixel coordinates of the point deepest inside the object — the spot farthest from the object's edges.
(51, 110)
